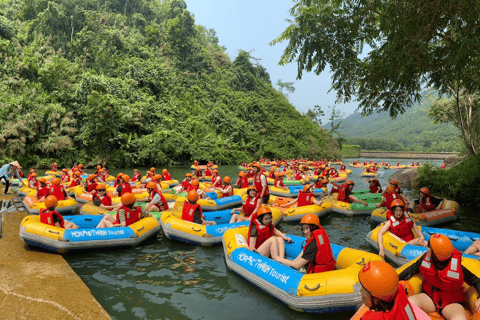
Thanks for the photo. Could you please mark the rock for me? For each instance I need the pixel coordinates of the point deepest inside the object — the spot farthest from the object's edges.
(452, 161)
(405, 177)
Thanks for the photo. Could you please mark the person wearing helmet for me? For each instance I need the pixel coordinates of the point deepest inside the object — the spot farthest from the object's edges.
(427, 202)
(195, 163)
(158, 180)
(305, 198)
(343, 168)
(33, 182)
(263, 237)
(226, 189)
(384, 295)
(186, 183)
(387, 198)
(77, 180)
(444, 275)
(216, 179)
(49, 216)
(394, 183)
(242, 181)
(345, 193)
(101, 198)
(137, 176)
(271, 174)
(400, 223)
(65, 176)
(30, 174)
(127, 214)
(166, 175)
(198, 173)
(54, 167)
(192, 211)
(57, 190)
(156, 200)
(279, 180)
(250, 206)
(98, 169)
(6, 173)
(80, 168)
(375, 186)
(42, 189)
(90, 184)
(333, 173)
(208, 171)
(261, 184)
(317, 252)
(118, 179)
(100, 176)
(20, 172)
(124, 186)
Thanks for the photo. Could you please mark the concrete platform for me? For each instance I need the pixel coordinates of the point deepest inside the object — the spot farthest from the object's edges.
(39, 285)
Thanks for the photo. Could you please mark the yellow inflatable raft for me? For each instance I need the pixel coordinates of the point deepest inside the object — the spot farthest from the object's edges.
(349, 209)
(34, 206)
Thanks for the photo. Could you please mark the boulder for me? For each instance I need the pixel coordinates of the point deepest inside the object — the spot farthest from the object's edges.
(405, 177)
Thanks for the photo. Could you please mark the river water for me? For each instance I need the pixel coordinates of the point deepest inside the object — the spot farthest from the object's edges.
(163, 279)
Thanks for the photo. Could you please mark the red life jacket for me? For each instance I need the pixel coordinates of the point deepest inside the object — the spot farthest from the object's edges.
(387, 200)
(263, 232)
(335, 188)
(398, 190)
(65, 177)
(208, 172)
(54, 168)
(318, 184)
(443, 286)
(33, 184)
(279, 182)
(131, 216)
(250, 205)
(401, 227)
(91, 186)
(117, 181)
(316, 172)
(47, 217)
(304, 198)
(217, 181)
(257, 182)
(163, 205)
(58, 192)
(402, 309)
(325, 172)
(374, 188)
(271, 175)
(342, 194)
(342, 167)
(228, 194)
(364, 163)
(20, 173)
(105, 200)
(43, 192)
(334, 174)
(167, 176)
(243, 182)
(186, 184)
(298, 175)
(324, 260)
(427, 204)
(136, 177)
(75, 182)
(126, 187)
(189, 209)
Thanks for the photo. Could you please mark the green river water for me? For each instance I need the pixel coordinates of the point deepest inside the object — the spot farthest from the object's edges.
(163, 279)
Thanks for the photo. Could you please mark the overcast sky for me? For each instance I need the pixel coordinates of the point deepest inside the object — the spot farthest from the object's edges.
(251, 25)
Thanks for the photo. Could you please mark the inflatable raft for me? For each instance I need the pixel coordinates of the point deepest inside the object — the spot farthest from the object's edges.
(333, 291)
(348, 171)
(368, 174)
(292, 191)
(34, 206)
(90, 209)
(54, 173)
(396, 167)
(86, 197)
(297, 213)
(399, 252)
(175, 228)
(447, 214)
(203, 167)
(59, 240)
(349, 209)
(287, 183)
(341, 177)
(214, 204)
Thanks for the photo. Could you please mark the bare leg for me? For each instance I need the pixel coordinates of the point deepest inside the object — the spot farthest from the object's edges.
(422, 301)
(417, 242)
(474, 248)
(70, 225)
(454, 311)
(107, 221)
(269, 247)
(281, 247)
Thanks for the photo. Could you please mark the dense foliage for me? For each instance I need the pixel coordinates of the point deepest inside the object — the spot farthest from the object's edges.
(136, 82)
(459, 182)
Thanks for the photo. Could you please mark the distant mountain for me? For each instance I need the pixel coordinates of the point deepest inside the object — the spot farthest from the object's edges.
(413, 131)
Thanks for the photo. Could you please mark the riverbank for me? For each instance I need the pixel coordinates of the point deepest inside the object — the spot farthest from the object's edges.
(39, 285)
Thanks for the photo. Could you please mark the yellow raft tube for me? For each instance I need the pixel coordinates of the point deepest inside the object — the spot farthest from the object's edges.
(34, 206)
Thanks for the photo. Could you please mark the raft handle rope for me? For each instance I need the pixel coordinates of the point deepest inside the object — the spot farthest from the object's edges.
(313, 289)
(143, 227)
(196, 230)
(56, 232)
(361, 262)
(393, 246)
(229, 246)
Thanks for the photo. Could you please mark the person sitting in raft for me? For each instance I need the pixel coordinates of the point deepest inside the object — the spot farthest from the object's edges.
(148, 177)
(198, 173)
(279, 180)
(412, 164)
(263, 237)
(57, 189)
(216, 179)
(305, 198)
(124, 186)
(345, 193)
(42, 189)
(227, 188)
(101, 198)
(400, 223)
(127, 214)
(242, 181)
(244, 164)
(137, 176)
(271, 175)
(443, 166)
(186, 183)
(33, 182)
(317, 251)
(90, 184)
(117, 180)
(398, 164)
(383, 294)
(260, 183)
(427, 202)
(65, 176)
(98, 169)
(77, 181)
(166, 175)
(80, 168)
(195, 163)
(20, 172)
(375, 186)
(30, 174)
(387, 198)
(54, 167)
(444, 275)
(101, 176)
(152, 170)
(250, 206)
(158, 178)
(343, 168)
(208, 172)
(192, 211)
(367, 170)
(474, 249)
(51, 217)
(156, 200)
(333, 172)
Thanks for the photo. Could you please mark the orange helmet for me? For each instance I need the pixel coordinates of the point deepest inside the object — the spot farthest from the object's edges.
(441, 246)
(80, 165)
(257, 165)
(63, 170)
(78, 174)
(149, 173)
(32, 170)
(164, 171)
(390, 189)
(34, 174)
(188, 175)
(379, 279)
(51, 201)
(272, 169)
(101, 186)
(397, 202)
(135, 170)
(251, 188)
(54, 163)
(263, 210)
(91, 177)
(192, 196)
(310, 219)
(42, 180)
(371, 180)
(215, 171)
(151, 185)
(56, 181)
(425, 190)
(241, 174)
(306, 187)
(126, 177)
(395, 182)
(128, 199)
(324, 181)
(99, 167)
(348, 182)
(227, 179)
(120, 174)
(152, 169)
(157, 177)
(195, 182)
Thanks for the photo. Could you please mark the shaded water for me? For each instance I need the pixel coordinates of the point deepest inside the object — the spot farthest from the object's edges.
(163, 279)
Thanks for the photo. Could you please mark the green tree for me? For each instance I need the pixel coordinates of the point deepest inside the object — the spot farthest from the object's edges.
(285, 86)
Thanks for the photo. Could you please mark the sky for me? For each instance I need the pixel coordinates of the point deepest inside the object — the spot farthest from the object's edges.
(250, 25)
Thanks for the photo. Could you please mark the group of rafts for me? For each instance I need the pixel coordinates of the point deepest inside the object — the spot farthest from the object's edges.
(332, 291)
